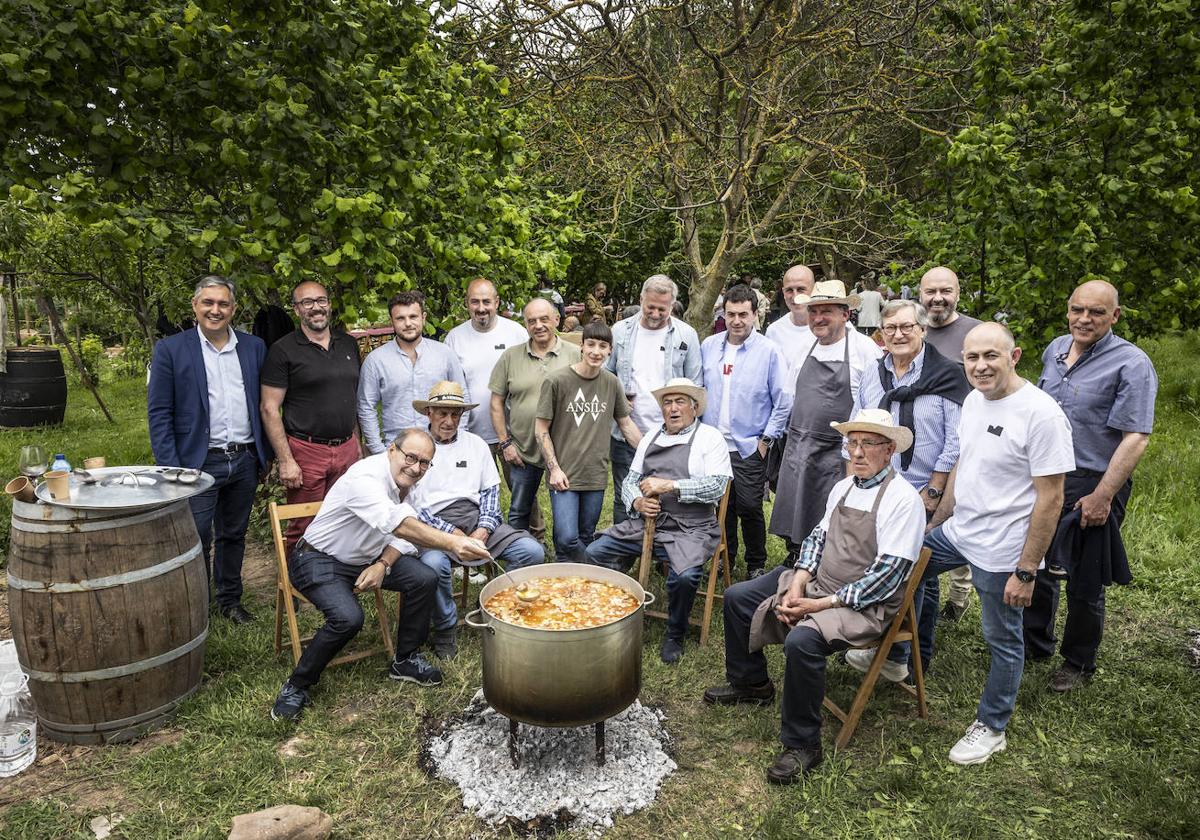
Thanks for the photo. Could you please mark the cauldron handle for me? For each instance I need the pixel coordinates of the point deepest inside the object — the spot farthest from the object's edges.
(478, 626)
(648, 598)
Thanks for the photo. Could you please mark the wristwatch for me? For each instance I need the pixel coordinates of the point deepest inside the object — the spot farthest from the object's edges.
(834, 602)
(933, 492)
(1024, 576)
(767, 442)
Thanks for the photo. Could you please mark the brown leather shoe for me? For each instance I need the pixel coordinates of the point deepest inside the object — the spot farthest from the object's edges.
(1067, 678)
(729, 695)
(793, 764)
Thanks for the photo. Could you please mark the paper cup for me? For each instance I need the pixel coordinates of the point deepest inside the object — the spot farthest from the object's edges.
(59, 482)
(21, 489)
(95, 463)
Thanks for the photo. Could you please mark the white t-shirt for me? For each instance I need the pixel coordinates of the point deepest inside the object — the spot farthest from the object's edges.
(1004, 443)
(792, 340)
(726, 378)
(359, 513)
(479, 352)
(900, 521)
(864, 356)
(869, 308)
(647, 374)
(462, 469)
(709, 455)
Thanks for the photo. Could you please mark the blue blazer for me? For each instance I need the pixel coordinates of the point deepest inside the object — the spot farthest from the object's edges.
(178, 399)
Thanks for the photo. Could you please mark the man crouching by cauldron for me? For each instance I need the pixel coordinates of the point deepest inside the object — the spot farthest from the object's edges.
(359, 541)
(844, 590)
(461, 495)
(677, 477)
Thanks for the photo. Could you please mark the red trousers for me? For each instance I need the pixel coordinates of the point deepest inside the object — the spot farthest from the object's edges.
(320, 467)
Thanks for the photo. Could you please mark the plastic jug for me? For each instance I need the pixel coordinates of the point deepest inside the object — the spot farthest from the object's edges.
(18, 724)
(61, 462)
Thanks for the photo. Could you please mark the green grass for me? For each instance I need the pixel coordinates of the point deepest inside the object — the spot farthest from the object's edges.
(1120, 758)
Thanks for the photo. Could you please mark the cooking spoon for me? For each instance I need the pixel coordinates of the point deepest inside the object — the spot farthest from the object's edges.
(524, 594)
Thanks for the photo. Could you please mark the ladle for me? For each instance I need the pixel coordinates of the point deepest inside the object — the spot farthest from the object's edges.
(524, 594)
(85, 476)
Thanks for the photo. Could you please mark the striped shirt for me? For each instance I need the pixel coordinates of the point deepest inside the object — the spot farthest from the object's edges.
(882, 578)
(489, 513)
(935, 423)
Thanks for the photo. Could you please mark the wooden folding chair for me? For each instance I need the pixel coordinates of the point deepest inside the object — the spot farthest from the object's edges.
(902, 629)
(285, 593)
(719, 563)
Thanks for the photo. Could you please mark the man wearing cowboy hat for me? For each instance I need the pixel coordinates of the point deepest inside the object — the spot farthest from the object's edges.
(678, 474)
(825, 386)
(460, 494)
(844, 588)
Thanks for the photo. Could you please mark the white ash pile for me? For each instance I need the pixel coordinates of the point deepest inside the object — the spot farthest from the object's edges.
(558, 780)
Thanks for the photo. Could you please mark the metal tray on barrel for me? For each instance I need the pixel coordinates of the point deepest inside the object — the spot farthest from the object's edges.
(108, 594)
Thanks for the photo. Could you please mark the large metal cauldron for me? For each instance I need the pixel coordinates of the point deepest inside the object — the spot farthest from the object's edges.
(561, 677)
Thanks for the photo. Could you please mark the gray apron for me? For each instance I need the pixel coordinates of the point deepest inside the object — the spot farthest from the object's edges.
(463, 514)
(812, 457)
(850, 549)
(689, 533)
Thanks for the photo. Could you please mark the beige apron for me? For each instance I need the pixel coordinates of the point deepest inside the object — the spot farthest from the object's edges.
(850, 549)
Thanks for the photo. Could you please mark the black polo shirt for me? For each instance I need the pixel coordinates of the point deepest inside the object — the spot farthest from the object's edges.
(322, 385)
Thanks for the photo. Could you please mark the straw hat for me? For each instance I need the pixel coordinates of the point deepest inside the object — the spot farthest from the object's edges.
(878, 421)
(682, 385)
(444, 394)
(829, 291)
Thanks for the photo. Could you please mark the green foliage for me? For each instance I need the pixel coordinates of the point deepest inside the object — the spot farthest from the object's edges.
(270, 141)
(1077, 162)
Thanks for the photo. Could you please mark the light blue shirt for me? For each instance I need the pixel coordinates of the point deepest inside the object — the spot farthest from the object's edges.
(390, 379)
(759, 401)
(681, 350)
(228, 414)
(935, 423)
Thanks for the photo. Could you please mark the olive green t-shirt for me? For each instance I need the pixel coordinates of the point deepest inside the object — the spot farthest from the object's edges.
(517, 377)
(581, 412)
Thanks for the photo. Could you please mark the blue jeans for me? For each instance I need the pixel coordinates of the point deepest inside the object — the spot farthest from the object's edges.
(523, 551)
(524, 483)
(223, 511)
(329, 584)
(1002, 630)
(576, 513)
(612, 553)
(621, 455)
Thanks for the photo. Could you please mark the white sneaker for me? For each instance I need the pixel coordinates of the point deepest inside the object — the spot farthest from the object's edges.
(978, 744)
(860, 660)
(477, 579)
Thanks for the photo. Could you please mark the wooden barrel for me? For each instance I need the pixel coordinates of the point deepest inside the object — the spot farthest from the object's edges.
(33, 391)
(109, 613)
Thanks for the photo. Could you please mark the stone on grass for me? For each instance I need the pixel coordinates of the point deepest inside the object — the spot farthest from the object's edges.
(283, 822)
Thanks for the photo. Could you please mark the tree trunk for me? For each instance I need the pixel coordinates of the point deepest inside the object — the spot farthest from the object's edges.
(46, 305)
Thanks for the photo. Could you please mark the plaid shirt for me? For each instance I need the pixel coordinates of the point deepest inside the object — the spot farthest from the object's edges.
(881, 579)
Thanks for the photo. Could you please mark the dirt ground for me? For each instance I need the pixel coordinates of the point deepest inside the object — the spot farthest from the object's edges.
(57, 770)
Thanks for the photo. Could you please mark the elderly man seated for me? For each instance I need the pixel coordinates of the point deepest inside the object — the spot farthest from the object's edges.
(846, 586)
(362, 540)
(460, 494)
(678, 474)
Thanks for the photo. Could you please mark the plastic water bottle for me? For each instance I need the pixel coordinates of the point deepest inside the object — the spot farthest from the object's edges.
(61, 463)
(18, 724)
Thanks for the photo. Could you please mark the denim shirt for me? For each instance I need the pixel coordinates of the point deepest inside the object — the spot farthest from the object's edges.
(682, 351)
(759, 398)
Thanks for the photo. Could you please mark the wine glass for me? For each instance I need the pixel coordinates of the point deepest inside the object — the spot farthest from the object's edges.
(33, 461)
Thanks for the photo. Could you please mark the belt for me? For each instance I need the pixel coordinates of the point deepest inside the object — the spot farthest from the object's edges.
(230, 448)
(319, 440)
(303, 545)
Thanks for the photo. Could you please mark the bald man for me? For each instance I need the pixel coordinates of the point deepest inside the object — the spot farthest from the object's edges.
(792, 333)
(478, 343)
(516, 385)
(939, 292)
(997, 516)
(1107, 388)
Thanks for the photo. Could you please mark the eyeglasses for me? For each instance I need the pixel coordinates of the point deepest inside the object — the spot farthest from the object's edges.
(409, 460)
(309, 303)
(865, 445)
(903, 329)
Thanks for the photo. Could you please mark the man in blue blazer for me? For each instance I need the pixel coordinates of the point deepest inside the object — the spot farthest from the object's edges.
(203, 407)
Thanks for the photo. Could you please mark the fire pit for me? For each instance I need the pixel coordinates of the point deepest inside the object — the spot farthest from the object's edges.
(561, 678)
